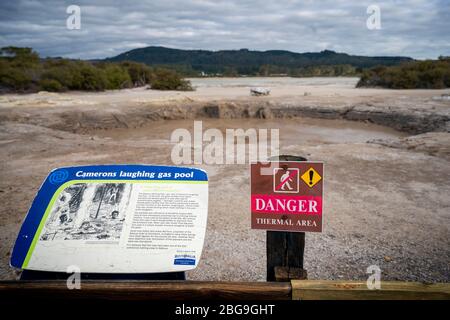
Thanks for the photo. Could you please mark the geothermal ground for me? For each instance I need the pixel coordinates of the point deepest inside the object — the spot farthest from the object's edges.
(386, 155)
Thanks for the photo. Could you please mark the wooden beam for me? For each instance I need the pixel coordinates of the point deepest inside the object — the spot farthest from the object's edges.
(147, 290)
(357, 290)
(214, 290)
(285, 250)
(289, 273)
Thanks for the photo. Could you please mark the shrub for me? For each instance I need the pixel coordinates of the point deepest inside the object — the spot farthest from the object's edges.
(20, 57)
(16, 79)
(61, 74)
(117, 77)
(51, 85)
(140, 74)
(92, 79)
(165, 79)
(18, 68)
(428, 74)
(22, 70)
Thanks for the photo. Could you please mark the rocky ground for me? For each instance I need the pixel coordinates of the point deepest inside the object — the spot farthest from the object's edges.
(386, 187)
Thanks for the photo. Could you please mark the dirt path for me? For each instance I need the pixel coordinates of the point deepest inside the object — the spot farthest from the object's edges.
(386, 201)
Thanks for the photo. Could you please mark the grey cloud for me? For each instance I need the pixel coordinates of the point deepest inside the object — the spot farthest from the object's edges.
(417, 28)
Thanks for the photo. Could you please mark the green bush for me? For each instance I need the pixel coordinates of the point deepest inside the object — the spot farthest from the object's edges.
(20, 57)
(165, 79)
(16, 79)
(62, 74)
(18, 68)
(117, 77)
(428, 74)
(140, 74)
(93, 79)
(21, 70)
(51, 85)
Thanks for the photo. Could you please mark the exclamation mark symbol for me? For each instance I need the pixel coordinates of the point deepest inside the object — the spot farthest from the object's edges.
(311, 175)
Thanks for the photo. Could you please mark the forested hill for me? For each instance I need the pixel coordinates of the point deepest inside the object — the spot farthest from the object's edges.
(248, 62)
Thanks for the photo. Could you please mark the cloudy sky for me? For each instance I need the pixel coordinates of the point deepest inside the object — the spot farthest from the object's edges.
(416, 28)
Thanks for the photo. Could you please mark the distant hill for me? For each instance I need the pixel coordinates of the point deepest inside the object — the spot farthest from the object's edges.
(249, 62)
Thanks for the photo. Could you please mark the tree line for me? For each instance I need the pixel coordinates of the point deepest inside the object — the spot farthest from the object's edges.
(22, 70)
(256, 63)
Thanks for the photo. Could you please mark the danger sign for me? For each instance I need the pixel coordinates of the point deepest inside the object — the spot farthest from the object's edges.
(287, 196)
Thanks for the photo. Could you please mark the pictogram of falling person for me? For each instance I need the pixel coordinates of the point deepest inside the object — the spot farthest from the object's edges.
(285, 179)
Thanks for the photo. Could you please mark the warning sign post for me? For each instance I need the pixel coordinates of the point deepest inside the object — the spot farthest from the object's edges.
(287, 196)
(286, 200)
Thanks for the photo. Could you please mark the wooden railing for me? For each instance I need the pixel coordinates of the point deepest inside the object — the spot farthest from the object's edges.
(191, 290)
